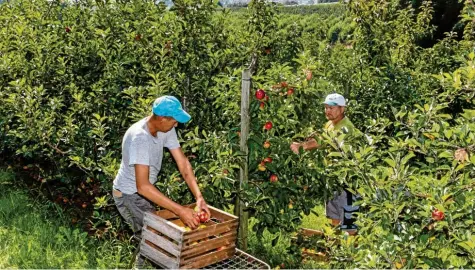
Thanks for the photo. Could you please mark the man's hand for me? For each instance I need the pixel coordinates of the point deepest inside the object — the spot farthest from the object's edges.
(295, 147)
(201, 204)
(310, 144)
(189, 217)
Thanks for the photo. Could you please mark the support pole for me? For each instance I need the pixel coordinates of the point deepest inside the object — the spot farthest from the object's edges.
(244, 171)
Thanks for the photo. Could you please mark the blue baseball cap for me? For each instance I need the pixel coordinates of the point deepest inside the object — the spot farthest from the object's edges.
(171, 107)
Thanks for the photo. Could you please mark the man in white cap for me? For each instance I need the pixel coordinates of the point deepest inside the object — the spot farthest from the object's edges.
(142, 152)
(340, 208)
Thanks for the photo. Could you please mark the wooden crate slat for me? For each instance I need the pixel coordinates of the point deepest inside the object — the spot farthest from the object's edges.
(179, 223)
(166, 214)
(164, 226)
(211, 230)
(208, 245)
(215, 212)
(157, 256)
(317, 256)
(209, 258)
(161, 242)
(310, 232)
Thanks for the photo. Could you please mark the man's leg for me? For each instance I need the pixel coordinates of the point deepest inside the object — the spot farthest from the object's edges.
(341, 209)
(349, 209)
(334, 208)
(132, 208)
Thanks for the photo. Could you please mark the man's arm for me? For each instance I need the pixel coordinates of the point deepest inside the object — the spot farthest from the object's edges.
(150, 192)
(308, 145)
(186, 171)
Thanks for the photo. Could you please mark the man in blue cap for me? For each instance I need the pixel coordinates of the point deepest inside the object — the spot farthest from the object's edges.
(340, 209)
(142, 152)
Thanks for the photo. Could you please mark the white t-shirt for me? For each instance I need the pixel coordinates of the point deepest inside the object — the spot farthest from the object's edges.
(140, 147)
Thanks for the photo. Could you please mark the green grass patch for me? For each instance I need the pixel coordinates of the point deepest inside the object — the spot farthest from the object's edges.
(35, 235)
(316, 221)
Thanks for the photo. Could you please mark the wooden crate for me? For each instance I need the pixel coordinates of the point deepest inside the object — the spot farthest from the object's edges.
(310, 253)
(166, 242)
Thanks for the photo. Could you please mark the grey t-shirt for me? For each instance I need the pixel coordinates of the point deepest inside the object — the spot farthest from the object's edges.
(140, 147)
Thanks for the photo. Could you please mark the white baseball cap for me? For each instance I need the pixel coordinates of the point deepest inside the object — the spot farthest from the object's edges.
(335, 100)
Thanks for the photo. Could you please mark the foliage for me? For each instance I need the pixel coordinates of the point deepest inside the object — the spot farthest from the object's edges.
(74, 77)
(323, 10)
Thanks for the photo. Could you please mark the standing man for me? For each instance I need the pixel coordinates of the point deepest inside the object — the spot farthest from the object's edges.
(340, 208)
(142, 153)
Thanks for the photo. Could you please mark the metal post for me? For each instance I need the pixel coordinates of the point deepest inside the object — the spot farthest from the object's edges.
(244, 173)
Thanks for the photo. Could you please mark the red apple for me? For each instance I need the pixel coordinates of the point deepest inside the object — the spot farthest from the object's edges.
(138, 37)
(262, 105)
(262, 166)
(290, 92)
(268, 160)
(260, 94)
(284, 84)
(266, 144)
(274, 178)
(268, 125)
(308, 74)
(203, 216)
(84, 205)
(438, 215)
(67, 29)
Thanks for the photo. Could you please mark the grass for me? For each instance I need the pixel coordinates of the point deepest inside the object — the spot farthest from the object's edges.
(315, 222)
(32, 235)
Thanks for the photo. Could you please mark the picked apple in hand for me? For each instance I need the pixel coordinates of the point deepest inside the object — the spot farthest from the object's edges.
(202, 215)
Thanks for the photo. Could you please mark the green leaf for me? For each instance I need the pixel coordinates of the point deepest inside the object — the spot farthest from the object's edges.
(407, 158)
(467, 245)
(448, 133)
(390, 162)
(335, 154)
(424, 238)
(446, 154)
(460, 167)
(457, 261)
(472, 159)
(427, 107)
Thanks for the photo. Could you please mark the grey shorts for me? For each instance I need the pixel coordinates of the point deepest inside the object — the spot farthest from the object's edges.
(132, 207)
(338, 207)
